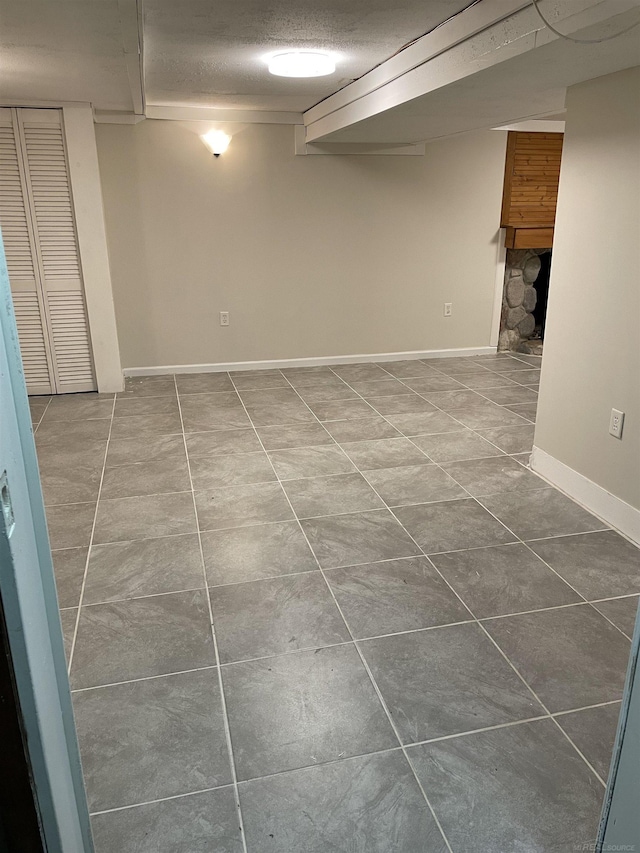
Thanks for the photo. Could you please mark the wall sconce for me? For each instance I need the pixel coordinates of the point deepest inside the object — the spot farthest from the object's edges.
(216, 141)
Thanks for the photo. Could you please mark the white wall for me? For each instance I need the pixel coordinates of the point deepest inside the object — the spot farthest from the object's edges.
(591, 357)
(312, 256)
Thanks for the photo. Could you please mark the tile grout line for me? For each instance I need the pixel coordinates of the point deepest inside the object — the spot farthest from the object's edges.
(181, 591)
(374, 685)
(612, 702)
(587, 708)
(160, 800)
(104, 601)
(144, 678)
(474, 430)
(329, 762)
(508, 660)
(466, 388)
(302, 531)
(469, 495)
(482, 627)
(484, 630)
(370, 674)
(223, 702)
(549, 713)
(547, 716)
(91, 537)
(383, 704)
(322, 571)
(266, 776)
(365, 755)
(424, 629)
(584, 599)
(521, 677)
(503, 653)
(362, 471)
(419, 449)
(466, 429)
(48, 403)
(425, 453)
(267, 523)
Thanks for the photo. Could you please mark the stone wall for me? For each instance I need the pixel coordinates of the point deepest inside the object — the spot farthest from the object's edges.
(519, 298)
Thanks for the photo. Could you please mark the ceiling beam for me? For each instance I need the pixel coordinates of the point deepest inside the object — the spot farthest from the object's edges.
(359, 148)
(534, 126)
(227, 115)
(447, 56)
(132, 36)
(460, 28)
(116, 117)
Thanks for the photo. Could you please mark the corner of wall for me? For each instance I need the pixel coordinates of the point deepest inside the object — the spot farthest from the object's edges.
(92, 244)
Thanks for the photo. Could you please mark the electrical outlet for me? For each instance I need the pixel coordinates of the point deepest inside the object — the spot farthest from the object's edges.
(448, 309)
(224, 318)
(616, 423)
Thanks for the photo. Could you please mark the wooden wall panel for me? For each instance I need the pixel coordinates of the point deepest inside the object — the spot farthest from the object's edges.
(532, 172)
(528, 238)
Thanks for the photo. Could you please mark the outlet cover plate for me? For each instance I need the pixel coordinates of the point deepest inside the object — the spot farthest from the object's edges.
(616, 423)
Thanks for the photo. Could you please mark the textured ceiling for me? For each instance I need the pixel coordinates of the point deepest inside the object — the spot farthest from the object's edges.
(63, 51)
(204, 53)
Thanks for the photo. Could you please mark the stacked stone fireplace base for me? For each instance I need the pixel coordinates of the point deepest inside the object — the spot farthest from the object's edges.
(519, 298)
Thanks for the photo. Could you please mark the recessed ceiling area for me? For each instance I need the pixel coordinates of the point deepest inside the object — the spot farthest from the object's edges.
(199, 53)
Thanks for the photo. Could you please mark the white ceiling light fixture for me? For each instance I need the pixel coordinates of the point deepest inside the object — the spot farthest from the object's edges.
(301, 63)
(216, 141)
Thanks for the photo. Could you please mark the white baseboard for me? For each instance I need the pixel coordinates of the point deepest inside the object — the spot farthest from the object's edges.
(304, 362)
(590, 495)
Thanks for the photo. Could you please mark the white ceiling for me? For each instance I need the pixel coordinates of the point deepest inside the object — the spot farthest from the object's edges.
(205, 54)
(57, 50)
(199, 52)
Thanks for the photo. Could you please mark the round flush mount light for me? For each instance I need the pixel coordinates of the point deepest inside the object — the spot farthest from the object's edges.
(301, 63)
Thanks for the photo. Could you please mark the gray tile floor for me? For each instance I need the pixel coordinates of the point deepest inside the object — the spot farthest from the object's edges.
(330, 609)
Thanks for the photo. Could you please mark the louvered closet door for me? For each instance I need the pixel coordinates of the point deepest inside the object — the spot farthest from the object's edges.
(19, 245)
(41, 156)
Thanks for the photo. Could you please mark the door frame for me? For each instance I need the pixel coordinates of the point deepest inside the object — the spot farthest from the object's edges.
(20, 820)
(32, 617)
(620, 823)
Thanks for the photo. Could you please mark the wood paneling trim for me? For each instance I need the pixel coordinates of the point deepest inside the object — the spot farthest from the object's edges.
(528, 238)
(532, 173)
(508, 178)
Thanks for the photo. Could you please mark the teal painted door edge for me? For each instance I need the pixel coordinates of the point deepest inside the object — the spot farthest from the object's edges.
(31, 608)
(620, 822)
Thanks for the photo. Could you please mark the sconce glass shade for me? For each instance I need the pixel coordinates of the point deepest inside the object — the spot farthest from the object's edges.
(301, 63)
(216, 141)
